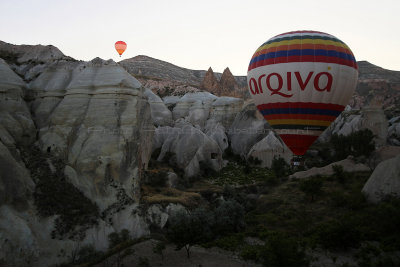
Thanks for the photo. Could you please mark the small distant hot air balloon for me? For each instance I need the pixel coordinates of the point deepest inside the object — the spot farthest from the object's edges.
(300, 82)
(120, 46)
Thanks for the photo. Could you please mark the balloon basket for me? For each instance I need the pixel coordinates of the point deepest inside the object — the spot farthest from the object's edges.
(297, 162)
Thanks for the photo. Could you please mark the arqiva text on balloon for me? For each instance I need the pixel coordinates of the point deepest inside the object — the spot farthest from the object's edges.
(256, 86)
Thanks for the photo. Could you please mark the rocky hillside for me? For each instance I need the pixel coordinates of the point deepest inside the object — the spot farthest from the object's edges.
(379, 85)
(148, 67)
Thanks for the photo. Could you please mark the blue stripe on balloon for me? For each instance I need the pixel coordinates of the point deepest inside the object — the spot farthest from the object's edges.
(300, 111)
(304, 52)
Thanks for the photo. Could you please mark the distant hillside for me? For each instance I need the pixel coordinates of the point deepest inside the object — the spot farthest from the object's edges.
(378, 85)
(154, 68)
(371, 71)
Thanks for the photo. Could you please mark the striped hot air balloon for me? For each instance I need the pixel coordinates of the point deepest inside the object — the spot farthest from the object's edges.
(300, 82)
(120, 46)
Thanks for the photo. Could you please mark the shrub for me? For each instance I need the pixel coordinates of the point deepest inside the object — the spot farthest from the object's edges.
(339, 174)
(359, 143)
(187, 229)
(281, 251)
(158, 248)
(115, 238)
(156, 178)
(339, 234)
(228, 242)
(312, 186)
(205, 169)
(254, 160)
(229, 217)
(143, 262)
(278, 251)
(280, 167)
(54, 195)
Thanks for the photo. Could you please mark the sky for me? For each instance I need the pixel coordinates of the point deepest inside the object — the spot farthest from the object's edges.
(199, 34)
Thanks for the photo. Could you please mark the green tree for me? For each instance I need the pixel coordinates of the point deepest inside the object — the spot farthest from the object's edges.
(280, 167)
(229, 217)
(187, 229)
(282, 251)
(312, 186)
(359, 143)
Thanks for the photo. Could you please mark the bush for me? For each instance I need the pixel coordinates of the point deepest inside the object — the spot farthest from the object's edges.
(228, 242)
(143, 262)
(254, 160)
(156, 178)
(312, 186)
(339, 235)
(339, 174)
(54, 195)
(280, 167)
(115, 238)
(278, 251)
(229, 217)
(281, 251)
(187, 229)
(359, 143)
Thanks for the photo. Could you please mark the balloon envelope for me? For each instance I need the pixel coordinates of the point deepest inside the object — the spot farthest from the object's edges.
(120, 46)
(300, 82)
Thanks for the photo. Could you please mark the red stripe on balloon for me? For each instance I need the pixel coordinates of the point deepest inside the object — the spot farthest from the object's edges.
(301, 105)
(299, 117)
(294, 32)
(298, 143)
(290, 59)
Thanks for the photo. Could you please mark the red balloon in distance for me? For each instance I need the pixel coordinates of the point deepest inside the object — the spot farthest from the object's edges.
(120, 46)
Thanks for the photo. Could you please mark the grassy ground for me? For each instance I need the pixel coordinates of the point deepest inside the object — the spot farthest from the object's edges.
(317, 221)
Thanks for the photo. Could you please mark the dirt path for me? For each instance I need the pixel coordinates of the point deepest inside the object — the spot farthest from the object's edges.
(213, 257)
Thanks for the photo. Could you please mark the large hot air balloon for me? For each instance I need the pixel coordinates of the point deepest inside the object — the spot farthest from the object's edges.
(120, 46)
(300, 82)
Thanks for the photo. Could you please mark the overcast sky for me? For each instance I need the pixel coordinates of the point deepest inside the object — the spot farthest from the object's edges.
(199, 34)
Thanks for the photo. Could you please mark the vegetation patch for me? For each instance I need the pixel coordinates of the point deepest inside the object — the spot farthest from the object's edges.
(54, 195)
(239, 174)
(171, 195)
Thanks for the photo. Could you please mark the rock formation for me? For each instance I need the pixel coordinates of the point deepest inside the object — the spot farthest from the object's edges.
(160, 114)
(394, 131)
(369, 117)
(144, 66)
(269, 148)
(29, 61)
(190, 146)
(226, 86)
(16, 128)
(384, 181)
(210, 83)
(349, 165)
(377, 82)
(248, 128)
(229, 85)
(94, 116)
